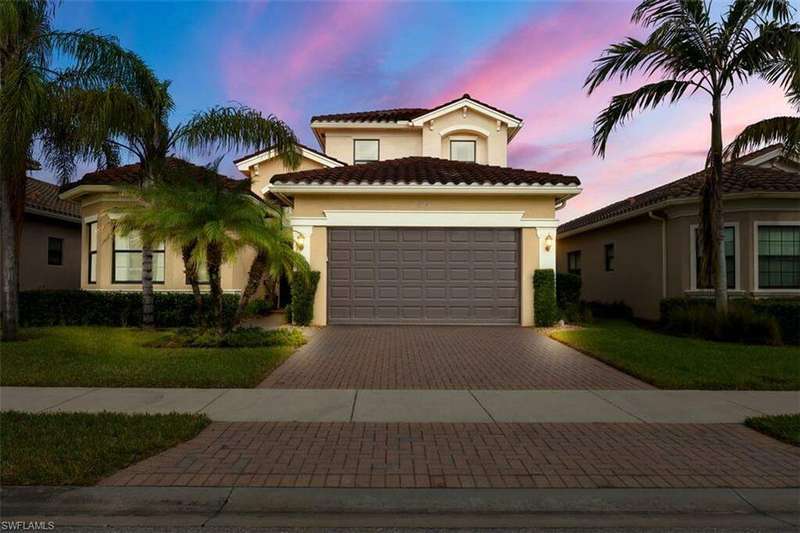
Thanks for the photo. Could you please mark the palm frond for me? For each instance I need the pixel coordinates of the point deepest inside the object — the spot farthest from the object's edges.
(225, 128)
(783, 130)
(623, 106)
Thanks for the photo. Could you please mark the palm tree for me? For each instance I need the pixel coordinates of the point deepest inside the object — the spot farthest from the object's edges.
(137, 122)
(42, 100)
(693, 53)
(783, 130)
(212, 218)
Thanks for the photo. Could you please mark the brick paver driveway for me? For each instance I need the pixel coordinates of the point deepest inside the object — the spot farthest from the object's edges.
(288, 454)
(442, 357)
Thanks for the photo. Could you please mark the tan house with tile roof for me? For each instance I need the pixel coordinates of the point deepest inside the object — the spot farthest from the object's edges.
(410, 216)
(643, 249)
(50, 243)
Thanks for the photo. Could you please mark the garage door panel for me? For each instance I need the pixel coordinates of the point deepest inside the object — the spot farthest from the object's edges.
(414, 275)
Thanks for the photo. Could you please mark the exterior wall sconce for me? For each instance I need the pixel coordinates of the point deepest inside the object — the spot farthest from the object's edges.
(548, 242)
(300, 241)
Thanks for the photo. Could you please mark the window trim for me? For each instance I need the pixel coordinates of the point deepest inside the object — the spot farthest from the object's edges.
(60, 251)
(574, 253)
(756, 224)
(474, 149)
(737, 256)
(114, 251)
(92, 253)
(613, 245)
(363, 161)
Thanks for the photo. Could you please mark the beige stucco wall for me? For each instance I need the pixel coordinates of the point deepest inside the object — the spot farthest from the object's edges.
(637, 279)
(34, 272)
(529, 264)
(234, 273)
(492, 145)
(431, 140)
(267, 169)
(394, 143)
(314, 205)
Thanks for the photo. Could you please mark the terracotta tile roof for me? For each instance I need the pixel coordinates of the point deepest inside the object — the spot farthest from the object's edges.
(423, 171)
(736, 178)
(43, 196)
(303, 146)
(131, 174)
(397, 114)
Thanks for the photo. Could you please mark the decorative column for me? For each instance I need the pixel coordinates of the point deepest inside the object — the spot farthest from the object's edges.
(547, 247)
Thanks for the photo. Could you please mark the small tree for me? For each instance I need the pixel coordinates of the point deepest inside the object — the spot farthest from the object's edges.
(211, 219)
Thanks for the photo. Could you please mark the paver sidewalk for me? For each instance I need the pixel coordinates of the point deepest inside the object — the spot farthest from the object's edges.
(303, 405)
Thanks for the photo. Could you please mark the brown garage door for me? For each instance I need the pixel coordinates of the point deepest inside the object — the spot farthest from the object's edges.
(423, 275)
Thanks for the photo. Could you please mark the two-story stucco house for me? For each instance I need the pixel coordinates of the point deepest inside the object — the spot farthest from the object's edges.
(410, 216)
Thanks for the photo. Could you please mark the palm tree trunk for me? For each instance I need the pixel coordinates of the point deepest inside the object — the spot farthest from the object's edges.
(257, 270)
(8, 254)
(190, 267)
(711, 217)
(148, 319)
(214, 263)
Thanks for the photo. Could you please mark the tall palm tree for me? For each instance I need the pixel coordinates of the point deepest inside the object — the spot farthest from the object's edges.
(137, 122)
(214, 218)
(691, 53)
(38, 98)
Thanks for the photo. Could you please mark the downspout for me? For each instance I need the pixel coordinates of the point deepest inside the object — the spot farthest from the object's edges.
(663, 220)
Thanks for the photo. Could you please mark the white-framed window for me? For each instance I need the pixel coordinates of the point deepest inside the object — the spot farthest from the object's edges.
(461, 150)
(777, 258)
(127, 259)
(366, 151)
(91, 229)
(732, 254)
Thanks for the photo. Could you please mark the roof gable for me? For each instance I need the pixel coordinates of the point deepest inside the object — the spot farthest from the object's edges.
(245, 162)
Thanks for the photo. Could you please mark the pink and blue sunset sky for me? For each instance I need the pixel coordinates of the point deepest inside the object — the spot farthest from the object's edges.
(298, 59)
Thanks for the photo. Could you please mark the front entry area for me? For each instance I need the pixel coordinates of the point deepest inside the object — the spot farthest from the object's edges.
(410, 275)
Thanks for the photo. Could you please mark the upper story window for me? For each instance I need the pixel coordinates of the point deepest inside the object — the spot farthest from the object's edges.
(609, 257)
(55, 251)
(366, 150)
(729, 233)
(463, 151)
(91, 228)
(778, 257)
(127, 267)
(574, 262)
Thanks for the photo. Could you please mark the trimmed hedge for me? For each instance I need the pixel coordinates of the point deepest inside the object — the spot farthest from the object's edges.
(613, 310)
(112, 308)
(568, 290)
(748, 323)
(545, 310)
(301, 308)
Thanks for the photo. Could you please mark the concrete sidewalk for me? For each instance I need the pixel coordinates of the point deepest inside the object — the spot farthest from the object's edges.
(470, 508)
(305, 405)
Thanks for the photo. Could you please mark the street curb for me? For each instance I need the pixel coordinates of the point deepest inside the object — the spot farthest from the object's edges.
(308, 507)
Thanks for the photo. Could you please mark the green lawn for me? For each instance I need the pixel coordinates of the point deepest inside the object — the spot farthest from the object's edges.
(117, 357)
(81, 449)
(683, 363)
(781, 427)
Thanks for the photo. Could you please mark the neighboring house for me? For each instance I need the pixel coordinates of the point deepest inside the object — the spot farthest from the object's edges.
(51, 240)
(644, 248)
(409, 215)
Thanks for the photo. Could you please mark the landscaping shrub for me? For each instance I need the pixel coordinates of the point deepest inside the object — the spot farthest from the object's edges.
(545, 310)
(579, 313)
(301, 308)
(248, 337)
(568, 290)
(614, 310)
(743, 323)
(259, 307)
(750, 321)
(112, 308)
